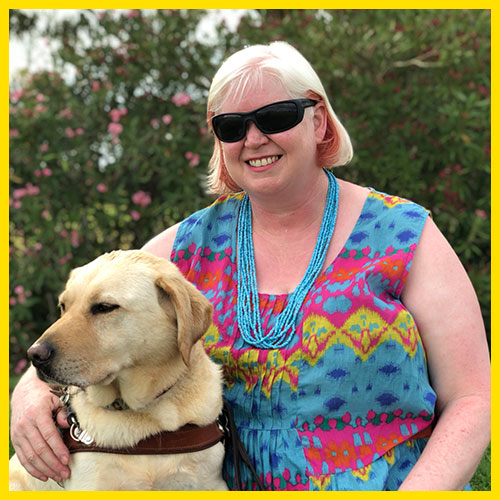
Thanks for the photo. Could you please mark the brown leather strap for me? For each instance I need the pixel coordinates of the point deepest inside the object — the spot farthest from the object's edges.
(187, 439)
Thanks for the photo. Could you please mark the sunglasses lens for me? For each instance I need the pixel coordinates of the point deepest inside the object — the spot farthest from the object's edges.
(229, 128)
(270, 119)
(277, 117)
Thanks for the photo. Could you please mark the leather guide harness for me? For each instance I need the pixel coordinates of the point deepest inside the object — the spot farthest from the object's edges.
(189, 438)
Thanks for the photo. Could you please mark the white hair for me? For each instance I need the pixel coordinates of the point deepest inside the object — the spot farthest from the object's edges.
(281, 64)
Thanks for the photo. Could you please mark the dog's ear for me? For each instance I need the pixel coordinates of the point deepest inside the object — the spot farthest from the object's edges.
(193, 311)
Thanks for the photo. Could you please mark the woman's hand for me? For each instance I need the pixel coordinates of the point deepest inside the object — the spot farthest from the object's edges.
(34, 435)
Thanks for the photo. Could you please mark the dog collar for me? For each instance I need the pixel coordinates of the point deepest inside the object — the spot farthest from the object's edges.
(119, 404)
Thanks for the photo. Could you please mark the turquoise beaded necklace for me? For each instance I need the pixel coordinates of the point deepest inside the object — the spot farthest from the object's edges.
(248, 312)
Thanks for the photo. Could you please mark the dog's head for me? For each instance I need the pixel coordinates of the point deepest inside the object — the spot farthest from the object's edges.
(124, 309)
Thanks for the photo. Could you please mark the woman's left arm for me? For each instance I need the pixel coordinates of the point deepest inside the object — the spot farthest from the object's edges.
(442, 300)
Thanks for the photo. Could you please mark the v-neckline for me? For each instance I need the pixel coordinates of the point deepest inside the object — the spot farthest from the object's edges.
(328, 268)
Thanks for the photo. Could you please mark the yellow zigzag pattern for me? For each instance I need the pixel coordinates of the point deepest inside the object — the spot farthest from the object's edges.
(363, 332)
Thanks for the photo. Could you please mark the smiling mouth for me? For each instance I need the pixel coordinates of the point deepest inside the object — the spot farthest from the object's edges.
(262, 162)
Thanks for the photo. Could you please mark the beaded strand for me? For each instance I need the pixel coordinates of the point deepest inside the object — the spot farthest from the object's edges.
(248, 311)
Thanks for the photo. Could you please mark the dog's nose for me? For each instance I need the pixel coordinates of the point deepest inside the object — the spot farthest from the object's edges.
(41, 353)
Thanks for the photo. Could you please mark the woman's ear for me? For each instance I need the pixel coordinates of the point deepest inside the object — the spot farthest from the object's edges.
(319, 121)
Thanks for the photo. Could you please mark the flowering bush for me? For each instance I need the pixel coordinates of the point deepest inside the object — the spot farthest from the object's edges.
(112, 155)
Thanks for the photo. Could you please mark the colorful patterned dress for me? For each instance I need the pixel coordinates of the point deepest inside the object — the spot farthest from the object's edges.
(347, 405)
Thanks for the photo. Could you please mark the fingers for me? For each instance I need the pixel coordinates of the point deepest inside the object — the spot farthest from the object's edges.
(34, 435)
(25, 462)
(62, 417)
(42, 451)
(56, 447)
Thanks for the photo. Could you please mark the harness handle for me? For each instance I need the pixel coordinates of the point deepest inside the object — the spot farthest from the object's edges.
(226, 420)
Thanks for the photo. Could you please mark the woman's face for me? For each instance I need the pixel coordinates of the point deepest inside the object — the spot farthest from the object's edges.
(276, 163)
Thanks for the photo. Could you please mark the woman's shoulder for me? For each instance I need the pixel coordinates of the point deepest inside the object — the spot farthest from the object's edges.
(161, 245)
(369, 202)
(222, 211)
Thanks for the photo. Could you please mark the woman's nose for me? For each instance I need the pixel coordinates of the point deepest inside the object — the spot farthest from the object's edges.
(254, 137)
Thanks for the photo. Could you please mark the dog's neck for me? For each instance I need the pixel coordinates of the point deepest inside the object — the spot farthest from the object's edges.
(125, 392)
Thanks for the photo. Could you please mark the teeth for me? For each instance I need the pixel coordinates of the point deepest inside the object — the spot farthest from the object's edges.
(262, 162)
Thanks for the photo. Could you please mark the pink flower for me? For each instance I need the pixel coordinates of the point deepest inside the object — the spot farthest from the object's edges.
(141, 198)
(203, 130)
(37, 247)
(115, 129)
(102, 188)
(47, 172)
(45, 214)
(155, 123)
(194, 159)
(66, 113)
(40, 97)
(44, 147)
(65, 258)
(481, 213)
(69, 132)
(21, 365)
(19, 193)
(32, 190)
(166, 119)
(132, 13)
(19, 290)
(75, 241)
(135, 215)
(181, 99)
(13, 133)
(79, 131)
(96, 86)
(12, 301)
(115, 115)
(64, 233)
(16, 95)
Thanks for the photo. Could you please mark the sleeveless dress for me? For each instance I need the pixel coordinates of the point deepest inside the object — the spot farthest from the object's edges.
(347, 405)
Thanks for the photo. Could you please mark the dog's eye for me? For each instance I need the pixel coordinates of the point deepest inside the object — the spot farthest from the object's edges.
(103, 308)
(62, 306)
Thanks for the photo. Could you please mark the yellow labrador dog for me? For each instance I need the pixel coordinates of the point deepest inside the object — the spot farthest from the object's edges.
(129, 332)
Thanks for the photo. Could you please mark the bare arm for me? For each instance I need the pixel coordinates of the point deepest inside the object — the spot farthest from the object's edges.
(34, 435)
(442, 300)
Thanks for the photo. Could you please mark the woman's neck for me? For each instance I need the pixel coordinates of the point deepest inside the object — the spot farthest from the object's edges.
(290, 212)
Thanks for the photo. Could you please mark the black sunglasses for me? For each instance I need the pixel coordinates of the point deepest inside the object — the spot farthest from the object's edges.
(271, 119)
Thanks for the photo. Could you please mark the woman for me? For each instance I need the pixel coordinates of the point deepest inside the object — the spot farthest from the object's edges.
(315, 306)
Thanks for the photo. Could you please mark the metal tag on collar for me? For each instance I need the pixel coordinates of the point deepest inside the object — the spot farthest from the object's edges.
(79, 434)
(64, 398)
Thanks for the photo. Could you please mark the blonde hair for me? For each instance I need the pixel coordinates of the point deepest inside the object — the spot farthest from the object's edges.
(280, 64)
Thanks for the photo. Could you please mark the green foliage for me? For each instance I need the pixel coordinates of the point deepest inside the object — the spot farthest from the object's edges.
(114, 153)
(482, 478)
